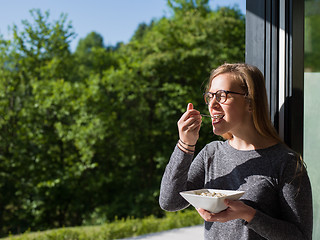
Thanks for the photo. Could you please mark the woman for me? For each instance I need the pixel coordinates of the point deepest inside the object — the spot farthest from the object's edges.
(277, 203)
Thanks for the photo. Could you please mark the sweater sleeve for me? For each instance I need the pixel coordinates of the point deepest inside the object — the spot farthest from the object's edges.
(295, 201)
(175, 180)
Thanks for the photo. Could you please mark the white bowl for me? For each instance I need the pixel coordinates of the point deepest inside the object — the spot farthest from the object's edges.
(211, 204)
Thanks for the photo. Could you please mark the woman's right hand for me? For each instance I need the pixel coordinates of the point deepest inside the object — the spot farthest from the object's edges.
(189, 126)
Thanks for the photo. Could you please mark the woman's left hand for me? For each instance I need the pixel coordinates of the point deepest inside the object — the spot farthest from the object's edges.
(235, 210)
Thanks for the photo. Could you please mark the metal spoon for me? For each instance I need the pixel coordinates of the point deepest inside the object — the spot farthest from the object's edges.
(203, 115)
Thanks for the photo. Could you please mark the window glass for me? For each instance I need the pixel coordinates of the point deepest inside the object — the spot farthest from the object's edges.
(312, 103)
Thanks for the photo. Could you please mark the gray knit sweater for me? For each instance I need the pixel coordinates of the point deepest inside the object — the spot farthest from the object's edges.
(269, 178)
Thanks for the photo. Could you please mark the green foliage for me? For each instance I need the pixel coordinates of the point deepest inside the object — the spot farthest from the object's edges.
(312, 44)
(181, 6)
(85, 136)
(92, 56)
(32, 173)
(141, 30)
(124, 228)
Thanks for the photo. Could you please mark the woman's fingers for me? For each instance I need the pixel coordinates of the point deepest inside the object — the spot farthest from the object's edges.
(190, 106)
(235, 210)
(207, 216)
(190, 121)
(190, 113)
(212, 217)
(189, 125)
(192, 126)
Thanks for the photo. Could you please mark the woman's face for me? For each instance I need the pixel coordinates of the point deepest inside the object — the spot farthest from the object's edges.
(232, 115)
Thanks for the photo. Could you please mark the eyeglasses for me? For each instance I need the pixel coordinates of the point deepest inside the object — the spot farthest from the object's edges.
(221, 96)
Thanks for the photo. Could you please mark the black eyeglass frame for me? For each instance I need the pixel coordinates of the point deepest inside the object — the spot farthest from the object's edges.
(215, 94)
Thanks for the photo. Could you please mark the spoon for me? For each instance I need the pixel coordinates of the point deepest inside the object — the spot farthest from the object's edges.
(203, 115)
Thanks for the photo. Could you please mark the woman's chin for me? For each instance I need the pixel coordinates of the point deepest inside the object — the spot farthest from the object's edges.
(219, 132)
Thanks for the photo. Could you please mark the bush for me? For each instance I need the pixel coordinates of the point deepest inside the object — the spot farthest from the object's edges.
(120, 228)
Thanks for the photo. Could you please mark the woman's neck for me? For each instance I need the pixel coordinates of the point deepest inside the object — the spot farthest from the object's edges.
(251, 142)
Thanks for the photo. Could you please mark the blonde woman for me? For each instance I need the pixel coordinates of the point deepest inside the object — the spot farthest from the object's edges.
(277, 203)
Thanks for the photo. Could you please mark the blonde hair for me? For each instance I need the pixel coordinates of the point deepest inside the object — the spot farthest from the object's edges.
(253, 85)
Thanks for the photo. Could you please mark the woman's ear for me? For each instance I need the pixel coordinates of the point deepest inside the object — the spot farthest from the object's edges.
(249, 104)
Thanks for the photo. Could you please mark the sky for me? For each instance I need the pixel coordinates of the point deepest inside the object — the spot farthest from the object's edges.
(115, 20)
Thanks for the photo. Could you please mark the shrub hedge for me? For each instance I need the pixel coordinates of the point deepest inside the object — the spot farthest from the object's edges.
(120, 228)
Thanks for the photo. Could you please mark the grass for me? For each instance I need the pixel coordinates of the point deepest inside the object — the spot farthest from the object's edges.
(117, 229)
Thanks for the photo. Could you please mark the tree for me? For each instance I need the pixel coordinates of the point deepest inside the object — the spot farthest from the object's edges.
(53, 122)
(32, 156)
(182, 6)
(142, 29)
(92, 56)
(159, 74)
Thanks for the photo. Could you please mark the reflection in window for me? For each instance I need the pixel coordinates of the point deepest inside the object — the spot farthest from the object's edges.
(312, 36)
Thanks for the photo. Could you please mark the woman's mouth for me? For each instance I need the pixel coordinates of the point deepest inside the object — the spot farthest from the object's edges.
(216, 118)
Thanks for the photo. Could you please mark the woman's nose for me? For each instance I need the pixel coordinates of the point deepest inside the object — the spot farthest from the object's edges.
(213, 103)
